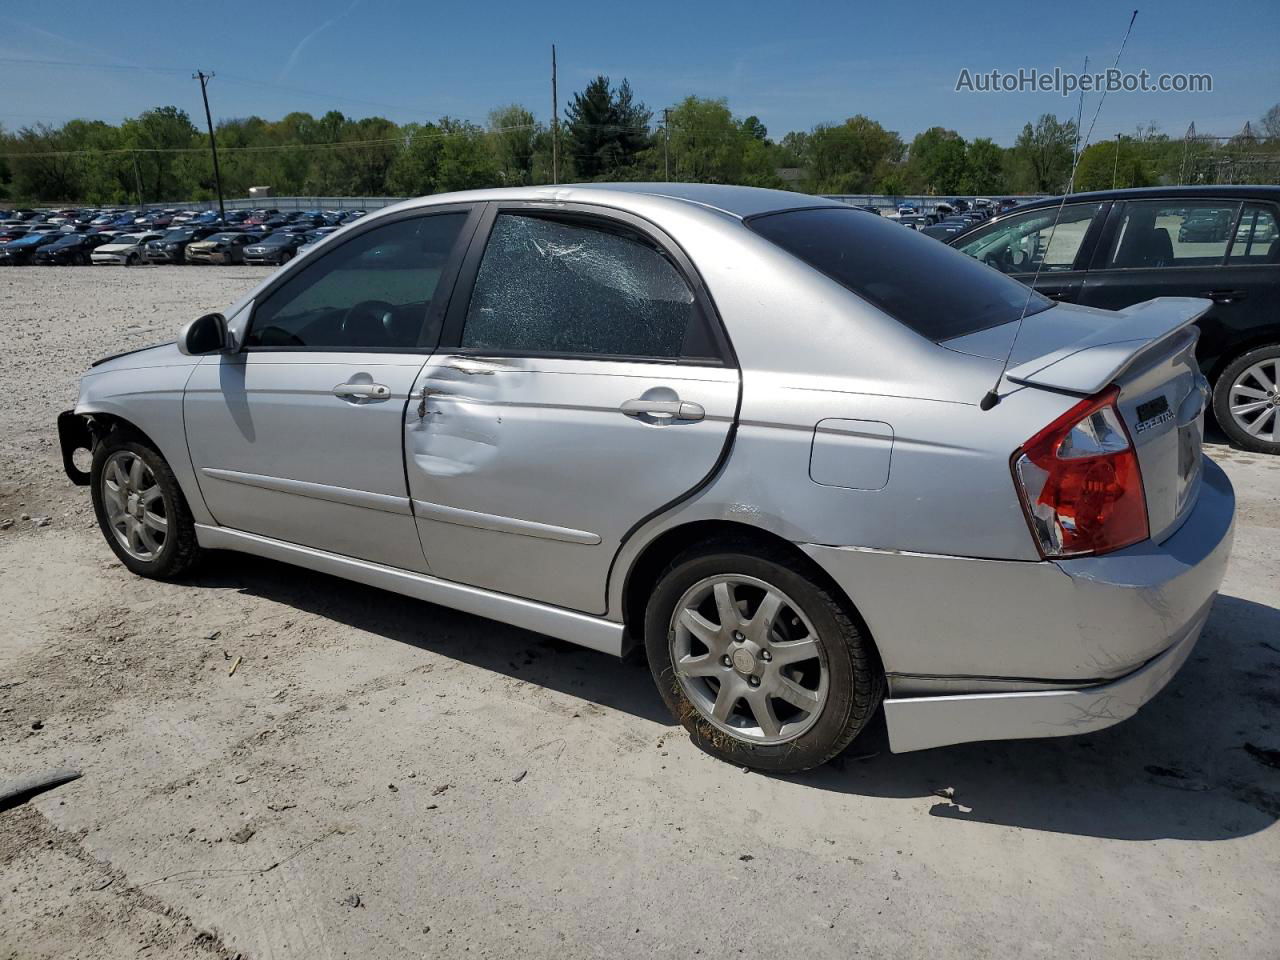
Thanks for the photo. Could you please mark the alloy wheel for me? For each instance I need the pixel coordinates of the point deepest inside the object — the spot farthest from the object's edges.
(748, 659)
(1254, 400)
(135, 506)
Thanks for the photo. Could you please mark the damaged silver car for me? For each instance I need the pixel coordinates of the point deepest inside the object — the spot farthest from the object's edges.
(740, 430)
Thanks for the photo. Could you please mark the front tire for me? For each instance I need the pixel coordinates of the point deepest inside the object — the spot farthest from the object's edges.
(141, 509)
(1246, 400)
(762, 665)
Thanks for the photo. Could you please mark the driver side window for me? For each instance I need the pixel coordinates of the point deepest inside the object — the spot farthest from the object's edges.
(370, 293)
(1030, 241)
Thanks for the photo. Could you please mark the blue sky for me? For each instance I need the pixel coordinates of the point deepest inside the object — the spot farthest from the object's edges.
(793, 65)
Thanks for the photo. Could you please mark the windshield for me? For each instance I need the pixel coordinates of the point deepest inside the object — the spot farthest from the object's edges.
(222, 237)
(179, 234)
(126, 238)
(923, 284)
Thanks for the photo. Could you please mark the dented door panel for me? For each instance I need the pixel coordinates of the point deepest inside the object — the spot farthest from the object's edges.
(526, 474)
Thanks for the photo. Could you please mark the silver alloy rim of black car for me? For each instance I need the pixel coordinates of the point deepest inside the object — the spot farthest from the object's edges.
(1254, 400)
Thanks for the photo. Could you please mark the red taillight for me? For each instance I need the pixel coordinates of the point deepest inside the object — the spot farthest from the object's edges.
(1080, 482)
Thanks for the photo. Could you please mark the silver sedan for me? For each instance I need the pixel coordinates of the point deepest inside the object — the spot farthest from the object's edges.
(741, 431)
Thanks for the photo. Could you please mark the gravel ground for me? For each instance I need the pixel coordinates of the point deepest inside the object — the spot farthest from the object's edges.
(384, 778)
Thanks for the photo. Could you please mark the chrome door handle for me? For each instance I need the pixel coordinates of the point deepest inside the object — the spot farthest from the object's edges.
(368, 391)
(667, 409)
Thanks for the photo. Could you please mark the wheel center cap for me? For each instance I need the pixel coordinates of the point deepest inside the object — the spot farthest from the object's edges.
(743, 661)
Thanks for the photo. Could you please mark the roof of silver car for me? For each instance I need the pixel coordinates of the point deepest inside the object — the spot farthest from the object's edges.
(735, 201)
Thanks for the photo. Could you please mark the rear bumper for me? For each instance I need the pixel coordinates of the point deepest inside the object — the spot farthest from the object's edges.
(989, 649)
(918, 723)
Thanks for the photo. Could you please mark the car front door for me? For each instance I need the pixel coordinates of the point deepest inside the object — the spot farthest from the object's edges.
(1042, 246)
(583, 384)
(298, 435)
(1185, 248)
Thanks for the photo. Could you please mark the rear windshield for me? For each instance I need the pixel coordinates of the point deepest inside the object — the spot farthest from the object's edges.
(922, 283)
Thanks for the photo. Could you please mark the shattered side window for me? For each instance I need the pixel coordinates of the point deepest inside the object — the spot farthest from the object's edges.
(549, 286)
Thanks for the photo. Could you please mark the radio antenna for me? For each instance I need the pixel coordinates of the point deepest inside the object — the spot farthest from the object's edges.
(992, 396)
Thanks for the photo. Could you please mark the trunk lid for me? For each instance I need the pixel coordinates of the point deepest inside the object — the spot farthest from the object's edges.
(1148, 350)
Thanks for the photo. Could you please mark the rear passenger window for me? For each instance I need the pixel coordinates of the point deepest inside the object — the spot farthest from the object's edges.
(555, 286)
(1173, 233)
(1257, 237)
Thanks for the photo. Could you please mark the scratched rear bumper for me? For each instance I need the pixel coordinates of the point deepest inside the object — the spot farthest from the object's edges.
(918, 723)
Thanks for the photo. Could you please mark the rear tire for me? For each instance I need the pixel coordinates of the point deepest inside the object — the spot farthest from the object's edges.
(141, 509)
(763, 666)
(1246, 400)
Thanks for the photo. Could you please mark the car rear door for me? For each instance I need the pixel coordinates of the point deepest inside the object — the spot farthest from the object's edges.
(1178, 247)
(583, 384)
(1041, 246)
(298, 436)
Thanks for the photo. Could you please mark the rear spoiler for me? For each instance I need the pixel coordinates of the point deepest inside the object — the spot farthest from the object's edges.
(1102, 356)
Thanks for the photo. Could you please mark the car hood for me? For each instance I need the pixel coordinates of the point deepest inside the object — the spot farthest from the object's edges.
(159, 355)
(116, 247)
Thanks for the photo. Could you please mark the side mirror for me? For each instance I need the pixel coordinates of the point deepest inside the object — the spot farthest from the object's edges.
(207, 334)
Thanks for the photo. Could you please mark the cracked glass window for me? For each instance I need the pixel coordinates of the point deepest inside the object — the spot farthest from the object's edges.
(550, 286)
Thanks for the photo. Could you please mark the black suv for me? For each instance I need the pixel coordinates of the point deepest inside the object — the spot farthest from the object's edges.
(1115, 248)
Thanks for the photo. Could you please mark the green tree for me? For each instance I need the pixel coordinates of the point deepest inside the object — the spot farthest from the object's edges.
(1044, 152)
(514, 133)
(753, 128)
(1113, 161)
(707, 145)
(606, 129)
(937, 161)
(466, 159)
(158, 136)
(851, 157)
(984, 168)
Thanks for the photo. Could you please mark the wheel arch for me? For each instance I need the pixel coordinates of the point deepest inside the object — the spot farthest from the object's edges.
(1262, 337)
(164, 431)
(653, 559)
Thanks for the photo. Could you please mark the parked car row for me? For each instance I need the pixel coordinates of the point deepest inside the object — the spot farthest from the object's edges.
(1116, 248)
(950, 217)
(132, 237)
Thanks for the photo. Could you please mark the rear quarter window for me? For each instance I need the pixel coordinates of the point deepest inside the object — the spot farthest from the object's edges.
(921, 282)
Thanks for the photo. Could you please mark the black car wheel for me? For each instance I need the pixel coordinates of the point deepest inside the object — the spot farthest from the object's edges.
(1246, 400)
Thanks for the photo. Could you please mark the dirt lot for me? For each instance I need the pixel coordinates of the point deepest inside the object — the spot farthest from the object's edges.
(383, 778)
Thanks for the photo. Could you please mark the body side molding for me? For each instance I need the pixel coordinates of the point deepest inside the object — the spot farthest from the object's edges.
(488, 521)
(317, 491)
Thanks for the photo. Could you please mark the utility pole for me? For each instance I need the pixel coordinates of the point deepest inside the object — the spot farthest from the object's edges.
(666, 143)
(1116, 168)
(137, 179)
(555, 122)
(204, 79)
